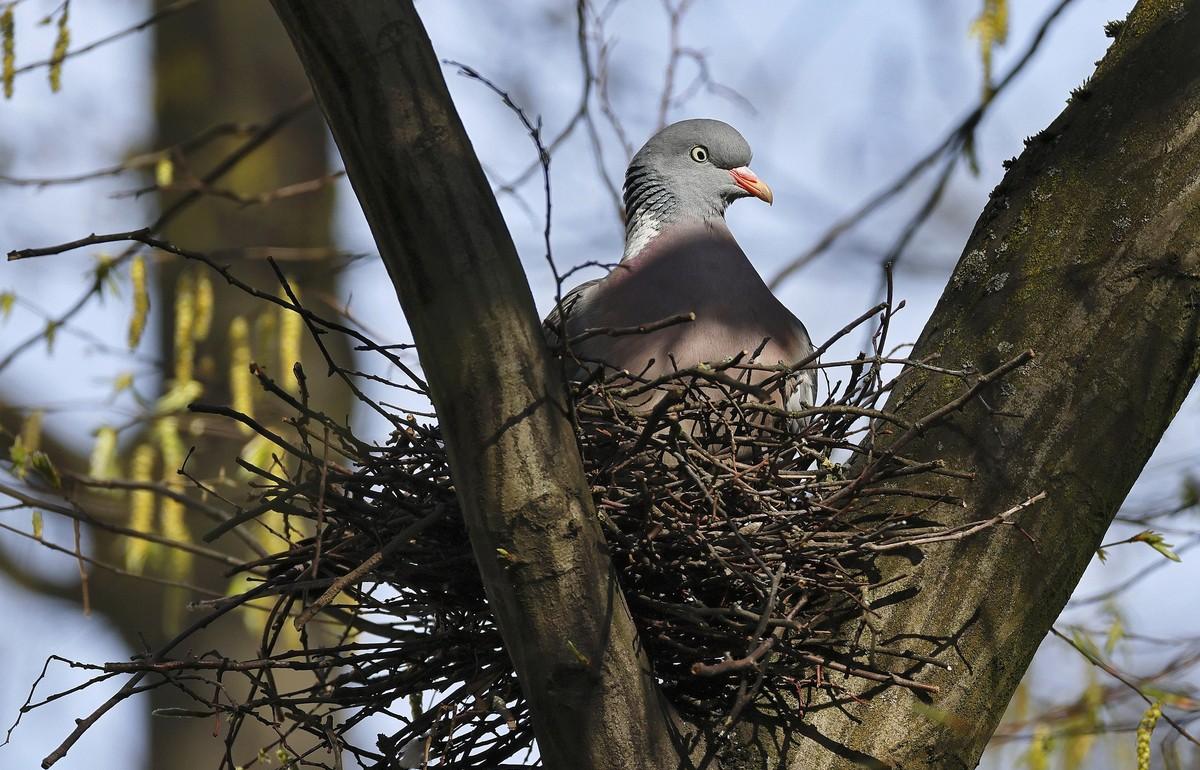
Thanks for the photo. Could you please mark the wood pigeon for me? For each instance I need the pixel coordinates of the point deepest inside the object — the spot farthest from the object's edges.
(680, 257)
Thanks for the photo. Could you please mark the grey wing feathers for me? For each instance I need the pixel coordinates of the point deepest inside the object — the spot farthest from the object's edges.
(801, 391)
(553, 323)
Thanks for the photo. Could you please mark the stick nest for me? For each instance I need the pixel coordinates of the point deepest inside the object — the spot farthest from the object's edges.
(744, 548)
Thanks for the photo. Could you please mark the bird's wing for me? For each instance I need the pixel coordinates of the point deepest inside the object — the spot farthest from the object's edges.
(802, 389)
(570, 305)
(801, 386)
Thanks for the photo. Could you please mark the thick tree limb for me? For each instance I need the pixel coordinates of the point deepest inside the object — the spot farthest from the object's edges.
(1089, 253)
(499, 400)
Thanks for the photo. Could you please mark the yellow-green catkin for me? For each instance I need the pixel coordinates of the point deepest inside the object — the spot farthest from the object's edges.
(31, 431)
(185, 323)
(204, 307)
(61, 43)
(291, 330)
(141, 508)
(103, 464)
(174, 524)
(7, 34)
(241, 382)
(260, 452)
(164, 171)
(1144, 731)
(1038, 756)
(172, 516)
(141, 301)
(266, 330)
(991, 28)
(170, 443)
(1080, 742)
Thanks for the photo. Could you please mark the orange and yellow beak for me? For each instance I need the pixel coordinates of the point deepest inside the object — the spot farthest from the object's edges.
(746, 179)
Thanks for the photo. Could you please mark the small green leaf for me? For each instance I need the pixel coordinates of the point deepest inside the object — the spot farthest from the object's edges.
(579, 656)
(1155, 541)
(51, 333)
(1115, 633)
(37, 525)
(43, 466)
(19, 456)
(1164, 549)
(104, 274)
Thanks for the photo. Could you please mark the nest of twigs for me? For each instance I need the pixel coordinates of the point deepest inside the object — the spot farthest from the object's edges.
(742, 545)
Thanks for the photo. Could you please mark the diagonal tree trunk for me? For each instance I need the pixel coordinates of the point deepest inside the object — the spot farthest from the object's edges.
(499, 400)
(1087, 254)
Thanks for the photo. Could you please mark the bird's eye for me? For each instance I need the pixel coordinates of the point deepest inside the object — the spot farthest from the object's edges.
(699, 153)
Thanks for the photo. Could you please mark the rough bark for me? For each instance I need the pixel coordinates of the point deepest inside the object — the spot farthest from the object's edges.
(1087, 254)
(499, 399)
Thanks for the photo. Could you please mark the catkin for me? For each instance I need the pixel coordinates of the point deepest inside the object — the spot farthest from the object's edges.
(61, 43)
(185, 322)
(291, 330)
(174, 525)
(10, 50)
(141, 508)
(1038, 757)
(241, 383)
(164, 171)
(266, 327)
(141, 301)
(103, 463)
(1144, 731)
(31, 431)
(204, 308)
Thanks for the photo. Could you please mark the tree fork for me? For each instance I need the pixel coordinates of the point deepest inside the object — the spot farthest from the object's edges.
(1087, 254)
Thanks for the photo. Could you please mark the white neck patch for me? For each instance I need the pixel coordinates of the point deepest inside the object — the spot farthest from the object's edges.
(639, 236)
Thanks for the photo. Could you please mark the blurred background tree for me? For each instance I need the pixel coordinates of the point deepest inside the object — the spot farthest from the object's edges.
(232, 109)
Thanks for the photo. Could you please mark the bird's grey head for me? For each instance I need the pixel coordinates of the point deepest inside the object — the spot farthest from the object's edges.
(692, 169)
